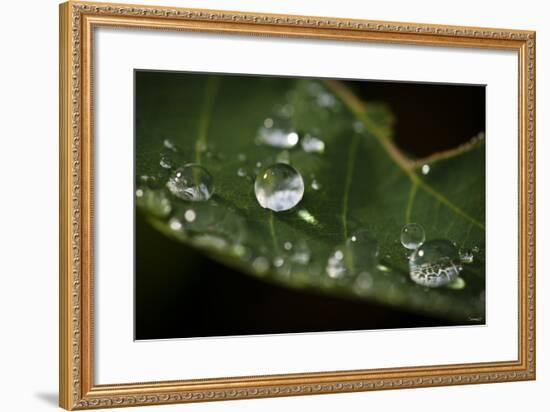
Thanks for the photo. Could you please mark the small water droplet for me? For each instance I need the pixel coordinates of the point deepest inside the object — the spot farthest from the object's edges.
(170, 145)
(287, 245)
(358, 126)
(311, 144)
(190, 215)
(425, 169)
(260, 265)
(315, 185)
(191, 182)
(307, 217)
(175, 224)
(457, 284)
(155, 202)
(383, 268)
(201, 146)
(278, 261)
(466, 255)
(279, 187)
(302, 254)
(166, 161)
(335, 266)
(412, 236)
(363, 283)
(241, 172)
(277, 132)
(435, 263)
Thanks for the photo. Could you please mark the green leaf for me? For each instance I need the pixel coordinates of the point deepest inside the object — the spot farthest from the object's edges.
(368, 188)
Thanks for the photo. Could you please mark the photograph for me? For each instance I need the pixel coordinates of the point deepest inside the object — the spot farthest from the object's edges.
(281, 205)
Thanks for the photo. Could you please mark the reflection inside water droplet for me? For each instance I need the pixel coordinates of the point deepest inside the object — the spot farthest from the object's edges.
(279, 187)
(435, 263)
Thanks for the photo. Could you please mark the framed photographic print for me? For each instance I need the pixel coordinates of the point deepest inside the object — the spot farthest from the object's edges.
(258, 205)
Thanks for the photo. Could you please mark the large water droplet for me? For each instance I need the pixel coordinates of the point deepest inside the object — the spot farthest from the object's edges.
(312, 144)
(277, 132)
(412, 236)
(191, 182)
(279, 187)
(435, 263)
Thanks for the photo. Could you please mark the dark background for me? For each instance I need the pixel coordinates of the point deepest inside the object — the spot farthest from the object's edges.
(182, 293)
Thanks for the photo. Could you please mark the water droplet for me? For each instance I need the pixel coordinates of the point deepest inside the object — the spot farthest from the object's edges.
(412, 236)
(190, 215)
(312, 144)
(241, 172)
(191, 182)
(201, 146)
(307, 217)
(363, 283)
(170, 145)
(260, 265)
(175, 224)
(335, 265)
(283, 157)
(383, 268)
(315, 185)
(155, 202)
(279, 187)
(278, 261)
(358, 126)
(325, 99)
(150, 182)
(435, 263)
(466, 255)
(457, 284)
(277, 132)
(287, 245)
(425, 169)
(166, 161)
(302, 254)
(210, 241)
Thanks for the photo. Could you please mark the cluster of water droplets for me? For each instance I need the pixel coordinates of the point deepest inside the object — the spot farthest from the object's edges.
(434, 263)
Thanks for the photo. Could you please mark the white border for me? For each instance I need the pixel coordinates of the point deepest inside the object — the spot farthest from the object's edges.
(119, 359)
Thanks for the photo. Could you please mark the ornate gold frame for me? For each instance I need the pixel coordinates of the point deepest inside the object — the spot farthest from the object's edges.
(77, 22)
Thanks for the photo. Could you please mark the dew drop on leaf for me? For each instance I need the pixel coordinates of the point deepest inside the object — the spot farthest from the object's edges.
(279, 187)
(435, 263)
(191, 182)
(412, 236)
